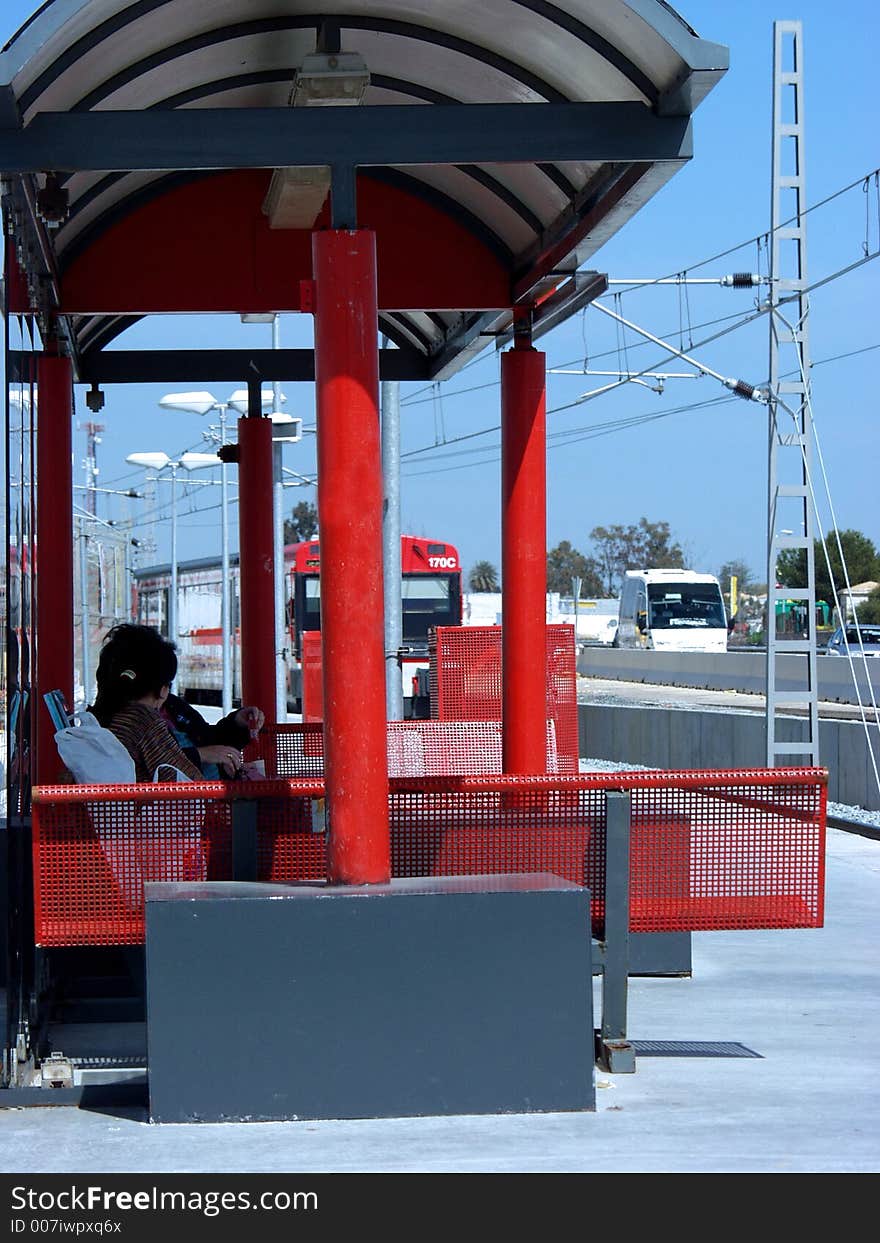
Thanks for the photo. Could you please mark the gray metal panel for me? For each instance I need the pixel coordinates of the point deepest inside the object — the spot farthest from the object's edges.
(611, 733)
(421, 997)
(733, 670)
(660, 953)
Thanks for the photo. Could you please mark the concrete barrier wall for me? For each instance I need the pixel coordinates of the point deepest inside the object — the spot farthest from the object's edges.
(684, 738)
(729, 671)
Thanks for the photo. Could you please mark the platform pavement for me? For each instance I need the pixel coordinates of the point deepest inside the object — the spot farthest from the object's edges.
(807, 1001)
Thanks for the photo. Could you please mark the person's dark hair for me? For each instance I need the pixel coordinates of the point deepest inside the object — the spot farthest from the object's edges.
(134, 661)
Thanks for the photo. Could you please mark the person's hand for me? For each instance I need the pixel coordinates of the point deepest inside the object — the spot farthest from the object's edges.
(250, 718)
(228, 759)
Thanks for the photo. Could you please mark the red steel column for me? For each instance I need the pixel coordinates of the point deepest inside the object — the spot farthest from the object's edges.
(54, 553)
(350, 529)
(256, 564)
(524, 559)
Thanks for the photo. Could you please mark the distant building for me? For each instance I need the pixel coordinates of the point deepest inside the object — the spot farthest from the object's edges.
(856, 596)
(596, 618)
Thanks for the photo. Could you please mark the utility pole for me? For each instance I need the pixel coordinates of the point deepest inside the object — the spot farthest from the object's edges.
(93, 439)
(790, 509)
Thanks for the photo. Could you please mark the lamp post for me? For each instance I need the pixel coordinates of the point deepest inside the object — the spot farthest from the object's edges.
(203, 403)
(576, 593)
(160, 461)
(285, 429)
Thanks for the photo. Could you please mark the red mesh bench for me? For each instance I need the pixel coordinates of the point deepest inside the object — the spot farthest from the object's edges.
(708, 850)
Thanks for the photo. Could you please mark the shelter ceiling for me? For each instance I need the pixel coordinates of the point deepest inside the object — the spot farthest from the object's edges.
(538, 218)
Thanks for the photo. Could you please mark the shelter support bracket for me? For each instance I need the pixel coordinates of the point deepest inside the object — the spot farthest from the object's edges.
(614, 1053)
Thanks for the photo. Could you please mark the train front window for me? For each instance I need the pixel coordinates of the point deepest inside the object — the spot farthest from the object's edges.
(428, 600)
(685, 606)
(312, 603)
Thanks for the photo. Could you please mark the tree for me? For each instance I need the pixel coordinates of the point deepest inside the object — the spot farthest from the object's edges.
(302, 523)
(483, 577)
(869, 612)
(738, 570)
(859, 554)
(565, 563)
(645, 545)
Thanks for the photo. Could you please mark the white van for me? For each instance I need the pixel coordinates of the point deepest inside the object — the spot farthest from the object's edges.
(672, 611)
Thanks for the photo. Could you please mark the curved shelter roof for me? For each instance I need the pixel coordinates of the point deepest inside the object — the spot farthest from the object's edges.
(164, 121)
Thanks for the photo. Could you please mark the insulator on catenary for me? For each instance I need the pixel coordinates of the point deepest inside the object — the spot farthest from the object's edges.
(745, 390)
(741, 280)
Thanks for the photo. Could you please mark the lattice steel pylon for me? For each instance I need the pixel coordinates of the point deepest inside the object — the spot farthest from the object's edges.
(790, 508)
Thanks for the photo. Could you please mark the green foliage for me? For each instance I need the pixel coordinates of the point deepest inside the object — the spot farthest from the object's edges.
(483, 577)
(565, 563)
(869, 612)
(861, 558)
(645, 545)
(302, 523)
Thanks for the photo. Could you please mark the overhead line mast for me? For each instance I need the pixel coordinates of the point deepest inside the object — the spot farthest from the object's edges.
(790, 512)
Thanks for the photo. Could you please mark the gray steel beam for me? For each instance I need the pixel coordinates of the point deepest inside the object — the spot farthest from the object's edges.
(224, 366)
(571, 296)
(599, 212)
(207, 138)
(465, 342)
(38, 259)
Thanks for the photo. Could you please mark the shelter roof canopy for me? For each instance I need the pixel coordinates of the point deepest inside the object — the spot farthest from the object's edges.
(445, 140)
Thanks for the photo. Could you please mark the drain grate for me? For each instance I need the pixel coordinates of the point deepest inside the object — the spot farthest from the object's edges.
(108, 1062)
(692, 1048)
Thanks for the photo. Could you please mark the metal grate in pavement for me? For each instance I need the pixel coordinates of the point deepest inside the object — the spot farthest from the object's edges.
(692, 1048)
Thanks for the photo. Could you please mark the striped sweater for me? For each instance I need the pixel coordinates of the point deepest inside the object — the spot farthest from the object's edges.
(149, 742)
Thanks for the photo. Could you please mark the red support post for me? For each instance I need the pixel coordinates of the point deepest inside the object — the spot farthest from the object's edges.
(256, 564)
(54, 554)
(350, 527)
(524, 559)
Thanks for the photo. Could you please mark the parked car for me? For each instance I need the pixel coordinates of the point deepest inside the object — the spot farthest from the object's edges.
(870, 637)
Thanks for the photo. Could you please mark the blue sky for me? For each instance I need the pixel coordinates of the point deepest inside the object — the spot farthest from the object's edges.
(702, 470)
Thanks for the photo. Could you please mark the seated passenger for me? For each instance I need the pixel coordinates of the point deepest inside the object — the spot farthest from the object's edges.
(214, 749)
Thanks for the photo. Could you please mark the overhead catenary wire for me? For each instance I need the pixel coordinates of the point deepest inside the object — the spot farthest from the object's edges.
(564, 438)
(614, 424)
(742, 322)
(764, 309)
(755, 240)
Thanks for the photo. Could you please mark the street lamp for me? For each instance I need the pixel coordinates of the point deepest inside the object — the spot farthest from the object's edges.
(286, 429)
(576, 593)
(160, 461)
(202, 403)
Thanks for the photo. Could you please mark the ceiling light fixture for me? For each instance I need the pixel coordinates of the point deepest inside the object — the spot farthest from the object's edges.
(324, 80)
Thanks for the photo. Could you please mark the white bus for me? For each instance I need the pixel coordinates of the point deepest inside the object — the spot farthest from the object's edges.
(672, 611)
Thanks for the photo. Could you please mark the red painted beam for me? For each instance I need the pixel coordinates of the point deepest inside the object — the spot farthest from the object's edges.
(524, 560)
(185, 231)
(350, 525)
(257, 564)
(54, 554)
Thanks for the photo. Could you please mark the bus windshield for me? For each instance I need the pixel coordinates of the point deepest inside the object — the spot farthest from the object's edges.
(427, 601)
(685, 606)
